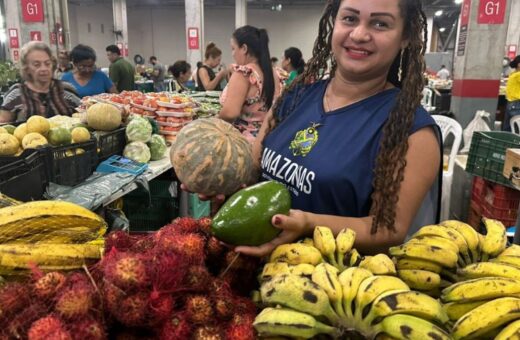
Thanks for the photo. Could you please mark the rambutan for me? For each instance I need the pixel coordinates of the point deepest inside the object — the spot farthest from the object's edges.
(220, 287)
(168, 271)
(197, 278)
(48, 285)
(242, 319)
(132, 310)
(119, 239)
(186, 225)
(190, 245)
(112, 296)
(207, 333)
(48, 328)
(223, 307)
(78, 278)
(244, 306)
(142, 244)
(19, 324)
(198, 309)
(127, 271)
(236, 261)
(205, 224)
(88, 328)
(215, 248)
(160, 306)
(176, 328)
(75, 301)
(240, 332)
(13, 298)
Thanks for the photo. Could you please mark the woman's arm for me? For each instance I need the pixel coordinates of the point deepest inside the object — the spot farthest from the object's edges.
(422, 164)
(6, 116)
(210, 85)
(237, 90)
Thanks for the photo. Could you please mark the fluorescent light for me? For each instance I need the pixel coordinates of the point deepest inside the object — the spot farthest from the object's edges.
(442, 29)
(439, 13)
(458, 2)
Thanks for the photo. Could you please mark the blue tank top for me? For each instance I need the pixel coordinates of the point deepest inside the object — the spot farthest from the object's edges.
(327, 160)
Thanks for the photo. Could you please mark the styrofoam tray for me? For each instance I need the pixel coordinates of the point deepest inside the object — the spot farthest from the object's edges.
(174, 106)
(147, 108)
(173, 114)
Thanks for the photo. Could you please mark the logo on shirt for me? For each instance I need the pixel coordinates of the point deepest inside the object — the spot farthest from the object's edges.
(304, 141)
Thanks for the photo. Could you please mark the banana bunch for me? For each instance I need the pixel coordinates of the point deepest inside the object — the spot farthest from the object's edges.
(312, 288)
(437, 256)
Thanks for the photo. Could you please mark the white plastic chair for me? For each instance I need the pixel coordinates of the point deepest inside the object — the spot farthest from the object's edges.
(515, 124)
(427, 98)
(448, 126)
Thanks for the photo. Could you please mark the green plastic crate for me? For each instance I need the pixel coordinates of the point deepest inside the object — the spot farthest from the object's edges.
(198, 208)
(163, 208)
(488, 153)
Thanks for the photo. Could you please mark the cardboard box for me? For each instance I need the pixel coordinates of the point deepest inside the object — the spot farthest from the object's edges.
(512, 166)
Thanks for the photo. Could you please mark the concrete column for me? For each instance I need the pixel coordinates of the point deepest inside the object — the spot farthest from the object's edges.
(240, 13)
(64, 7)
(513, 33)
(120, 25)
(478, 61)
(194, 31)
(429, 22)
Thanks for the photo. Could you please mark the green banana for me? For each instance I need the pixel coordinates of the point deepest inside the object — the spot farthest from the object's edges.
(481, 289)
(326, 276)
(299, 293)
(325, 242)
(486, 269)
(495, 240)
(296, 253)
(510, 332)
(411, 263)
(420, 279)
(379, 264)
(408, 327)
(426, 252)
(486, 318)
(350, 280)
(470, 235)
(286, 322)
(344, 243)
(456, 310)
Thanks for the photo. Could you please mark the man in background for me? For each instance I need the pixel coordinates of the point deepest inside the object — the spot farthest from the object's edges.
(157, 75)
(121, 72)
(443, 73)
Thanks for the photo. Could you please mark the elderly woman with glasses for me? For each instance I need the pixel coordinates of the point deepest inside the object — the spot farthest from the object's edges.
(38, 93)
(85, 77)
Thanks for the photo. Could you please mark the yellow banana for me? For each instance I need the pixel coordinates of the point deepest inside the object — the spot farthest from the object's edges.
(308, 241)
(510, 332)
(350, 280)
(436, 241)
(326, 276)
(470, 235)
(299, 293)
(409, 327)
(426, 252)
(344, 243)
(486, 269)
(512, 250)
(481, 289)
(304, 269)
(486, 318)
(379, 264)
(296, 253)
(420, 279)
(325, 242)
(510, 260)
(287, 322)
(411, 263)
(353, 258)
(448, 233)
(495, 240)
(456, 310)
(272, 269)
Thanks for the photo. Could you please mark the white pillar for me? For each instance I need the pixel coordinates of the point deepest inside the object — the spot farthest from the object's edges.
(194, 31)
(120, 25)
(429, 22)
(240, 13)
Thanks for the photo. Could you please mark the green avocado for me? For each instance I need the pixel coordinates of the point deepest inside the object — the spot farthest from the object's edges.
(245, 218)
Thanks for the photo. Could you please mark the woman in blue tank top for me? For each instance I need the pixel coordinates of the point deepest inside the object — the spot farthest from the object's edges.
(356, 150)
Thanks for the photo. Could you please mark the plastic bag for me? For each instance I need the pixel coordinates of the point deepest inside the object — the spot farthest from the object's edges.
(477, 124)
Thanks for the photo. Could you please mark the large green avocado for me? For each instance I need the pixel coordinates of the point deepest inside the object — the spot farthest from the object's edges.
(245, 218)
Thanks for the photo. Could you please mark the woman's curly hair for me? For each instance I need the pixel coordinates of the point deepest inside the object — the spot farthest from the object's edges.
(390, 162)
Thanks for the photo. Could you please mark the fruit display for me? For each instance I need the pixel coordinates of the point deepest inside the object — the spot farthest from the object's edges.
(158, 147)
(245, 218)
(208, 103)
(139, 130)
(137, 151)
(211, 157)
(173, 113)
(103, 117)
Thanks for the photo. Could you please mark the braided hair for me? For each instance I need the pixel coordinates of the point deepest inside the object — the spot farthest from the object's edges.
(390, 161)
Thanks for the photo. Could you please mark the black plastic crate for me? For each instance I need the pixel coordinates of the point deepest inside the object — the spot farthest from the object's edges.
(110, 143)
(488, 153)
(71, 164)
(24, 177)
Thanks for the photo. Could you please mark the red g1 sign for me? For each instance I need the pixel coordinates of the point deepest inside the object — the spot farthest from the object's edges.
(193, 38)
(491, 12)
(32, 10)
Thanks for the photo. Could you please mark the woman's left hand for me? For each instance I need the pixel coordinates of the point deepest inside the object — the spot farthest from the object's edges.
(294, 226)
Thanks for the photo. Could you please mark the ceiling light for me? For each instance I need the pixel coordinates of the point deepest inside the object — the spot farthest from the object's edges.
(442, 29)
(438, 13)
(458, 2)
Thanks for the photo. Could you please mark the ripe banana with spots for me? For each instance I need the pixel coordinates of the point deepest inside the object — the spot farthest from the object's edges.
(469, 234)
(510, 332)
(325, 242)
(512, 250)
(436, 241)
(486, 318)
(326, 276)
(411, 263)
(353, 258)
(350, 280)
(379, 264)
(450, 234)
(441, 256)
(495, 240)
(420, 279)
(484, 288)
(402, 326)
(298, 293)
(344, 243)
(272, 269)
(286, 322)
(456, 310)
(296, 253)
(488, 269)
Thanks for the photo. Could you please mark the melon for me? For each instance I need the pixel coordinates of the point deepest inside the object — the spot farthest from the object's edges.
(2, 130)
(60, 136)
(9, 144)
(20, 131)
(80, 135)
(104, 117)
(38, 124)
(211, 157)
(9, 128)
(33, 140)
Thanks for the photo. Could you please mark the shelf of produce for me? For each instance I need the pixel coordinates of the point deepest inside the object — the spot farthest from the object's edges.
(155, 168)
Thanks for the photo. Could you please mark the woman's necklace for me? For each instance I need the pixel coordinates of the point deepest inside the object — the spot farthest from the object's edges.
(328, 92)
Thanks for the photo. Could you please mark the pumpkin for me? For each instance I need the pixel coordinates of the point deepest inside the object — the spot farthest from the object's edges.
(211, 157)
(104, 117)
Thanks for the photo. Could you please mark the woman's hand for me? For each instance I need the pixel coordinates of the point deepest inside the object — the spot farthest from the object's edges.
(216, 201)
(294, 226)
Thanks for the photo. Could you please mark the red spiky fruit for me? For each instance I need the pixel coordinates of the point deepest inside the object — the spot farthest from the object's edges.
(112, 295)
(207, 333)
(88, 328)
(19, 323)
(48, 328)
(199, 309)
(119, 239)
(168, 271)
(78, 278)
(186, 225)
(13, 298)
(198, 278)
(48, 285)
(223, 307)
(244, 306)
(161, 306)
(75, 301)
(205, 224)
(132, 310)
(240, 332)
(190, 245)
(242, 319)
(220, 287)
(176, 328)
(215, 248)
(236, 261)
(127, 271)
